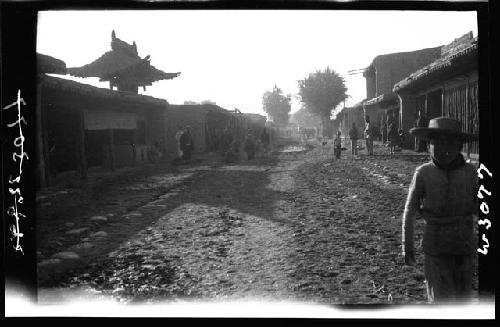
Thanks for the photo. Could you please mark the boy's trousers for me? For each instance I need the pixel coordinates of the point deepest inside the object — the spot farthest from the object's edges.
(448, 277)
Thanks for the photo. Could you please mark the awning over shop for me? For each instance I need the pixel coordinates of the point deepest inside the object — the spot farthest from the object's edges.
(383, 101)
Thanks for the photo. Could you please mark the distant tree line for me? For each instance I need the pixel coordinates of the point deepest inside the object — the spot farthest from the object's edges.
(319, 93)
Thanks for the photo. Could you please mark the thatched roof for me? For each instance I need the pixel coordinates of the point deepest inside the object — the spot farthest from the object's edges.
(196, 108)
(460, 53)
(50, 65)
(382, 100)
(355, 106)
(255, 117)
(122, 62)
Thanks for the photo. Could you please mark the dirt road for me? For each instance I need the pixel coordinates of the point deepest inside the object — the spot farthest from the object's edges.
(290, 227)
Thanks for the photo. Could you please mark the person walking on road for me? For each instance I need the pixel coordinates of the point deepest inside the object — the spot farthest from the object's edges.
(226, 140)
(186, 144)
(383, 132)
(368, 136)
(265, 140)
(389, 121)
(393, 137)
(337, 145)
(178, 135)
(420, 145)
(250, 146)
(444, 191)
(353, 135)
(401, 138)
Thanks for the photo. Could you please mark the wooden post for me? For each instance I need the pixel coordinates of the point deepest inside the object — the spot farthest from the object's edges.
(408, 106)
(111, 149)
(41, 169)
(81, 145)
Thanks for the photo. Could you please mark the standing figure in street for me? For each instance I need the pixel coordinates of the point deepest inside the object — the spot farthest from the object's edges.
(337, 145)
(154, 153)
(178, 142)
(444, 191)
(226, 140)
(420, 145)
(393, 137)
(186, 144)
(401, 137)
(368, 136)
(353, 135)
(265, 140)
(388, 122)
(250, 146)
(383, 132)
(231, 156)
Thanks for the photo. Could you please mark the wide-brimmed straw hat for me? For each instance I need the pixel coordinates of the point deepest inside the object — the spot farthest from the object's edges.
(443, 126)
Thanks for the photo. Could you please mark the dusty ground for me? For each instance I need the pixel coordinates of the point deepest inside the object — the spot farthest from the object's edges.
(289, 227)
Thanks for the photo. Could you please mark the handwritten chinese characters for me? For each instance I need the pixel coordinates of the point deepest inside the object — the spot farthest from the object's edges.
(484, 208)
(14, 188)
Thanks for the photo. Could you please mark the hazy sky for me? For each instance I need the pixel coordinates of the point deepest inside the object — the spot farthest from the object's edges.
(233, 57)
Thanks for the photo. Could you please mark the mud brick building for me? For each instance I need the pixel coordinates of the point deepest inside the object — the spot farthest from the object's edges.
(206, 121)
(446, 87)
(381, 75)
(255, 123)
(45, 65)
(81, 126)
(84, 126)
(349, 115)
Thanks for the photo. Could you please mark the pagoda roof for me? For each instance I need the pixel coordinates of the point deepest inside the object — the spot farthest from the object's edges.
(122, 62)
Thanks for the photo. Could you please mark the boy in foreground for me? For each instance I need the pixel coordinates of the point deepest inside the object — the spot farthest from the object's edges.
(444, 191)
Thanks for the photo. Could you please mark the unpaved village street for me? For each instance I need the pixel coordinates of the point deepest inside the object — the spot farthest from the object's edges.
(297, 226)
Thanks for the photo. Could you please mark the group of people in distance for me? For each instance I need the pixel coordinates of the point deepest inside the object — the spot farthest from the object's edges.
(389, 132)
(228, 145)
(251, 145)
(353, 136)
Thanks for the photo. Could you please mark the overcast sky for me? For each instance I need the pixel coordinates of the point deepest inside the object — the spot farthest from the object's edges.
(233, 57)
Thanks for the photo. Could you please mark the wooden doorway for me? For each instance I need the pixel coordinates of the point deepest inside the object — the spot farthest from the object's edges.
(434, 104)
